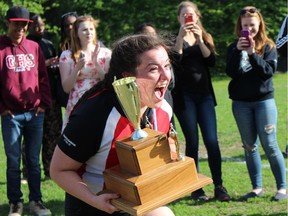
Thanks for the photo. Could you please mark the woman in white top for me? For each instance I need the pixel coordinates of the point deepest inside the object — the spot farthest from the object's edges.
(85, 64)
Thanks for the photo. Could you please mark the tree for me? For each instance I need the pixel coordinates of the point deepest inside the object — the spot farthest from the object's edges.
(119, 17)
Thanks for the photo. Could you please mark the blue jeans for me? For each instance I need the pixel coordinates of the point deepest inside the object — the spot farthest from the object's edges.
(24, 125)
(200, 110)
(259, 119)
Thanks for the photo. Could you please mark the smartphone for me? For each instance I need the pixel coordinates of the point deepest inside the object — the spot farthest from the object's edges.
(245, 33)
(188, 18)
(82, 55)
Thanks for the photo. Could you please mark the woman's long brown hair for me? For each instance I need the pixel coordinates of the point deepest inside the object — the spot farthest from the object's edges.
(75, 41)
(261, 38)
(208, 39)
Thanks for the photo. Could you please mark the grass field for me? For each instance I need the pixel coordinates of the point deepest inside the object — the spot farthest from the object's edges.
(235, 175)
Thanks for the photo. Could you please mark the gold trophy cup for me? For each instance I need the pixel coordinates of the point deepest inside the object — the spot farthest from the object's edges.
(128, 96)
(146, 176)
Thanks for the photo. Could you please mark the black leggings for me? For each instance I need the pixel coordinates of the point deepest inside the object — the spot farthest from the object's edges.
(76, 207)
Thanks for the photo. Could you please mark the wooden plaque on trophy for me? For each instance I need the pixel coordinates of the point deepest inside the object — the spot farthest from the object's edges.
(147, 178)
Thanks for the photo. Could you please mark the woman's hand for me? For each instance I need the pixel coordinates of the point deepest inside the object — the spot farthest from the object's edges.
(185, 29)
(69, 73)
(79, 65)
(103, 203)
(100, 71)
(197, 32)
(248, 45)
(52, 62)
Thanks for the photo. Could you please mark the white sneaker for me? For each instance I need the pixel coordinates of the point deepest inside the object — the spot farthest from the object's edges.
(16, 209)
(37, 208)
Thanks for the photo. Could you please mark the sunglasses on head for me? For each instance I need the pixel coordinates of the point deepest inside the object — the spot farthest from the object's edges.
(251, 10)
(74, 13)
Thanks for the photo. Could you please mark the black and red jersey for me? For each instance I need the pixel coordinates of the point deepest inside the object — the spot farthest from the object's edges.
(92, 130)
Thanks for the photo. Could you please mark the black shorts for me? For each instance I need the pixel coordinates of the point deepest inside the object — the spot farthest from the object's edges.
(76, 207)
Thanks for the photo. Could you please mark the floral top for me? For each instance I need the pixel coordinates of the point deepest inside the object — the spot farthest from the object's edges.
(87, 77)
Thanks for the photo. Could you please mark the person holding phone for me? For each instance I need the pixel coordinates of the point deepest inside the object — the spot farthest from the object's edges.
(84, 64)
(251, 69)
(193, 95)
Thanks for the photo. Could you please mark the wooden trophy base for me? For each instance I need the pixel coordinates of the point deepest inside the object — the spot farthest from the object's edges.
(147, 178)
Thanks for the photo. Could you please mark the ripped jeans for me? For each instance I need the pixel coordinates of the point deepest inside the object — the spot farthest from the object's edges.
(257, 120)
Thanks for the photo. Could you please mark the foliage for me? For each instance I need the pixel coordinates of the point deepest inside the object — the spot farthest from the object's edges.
(119, 17)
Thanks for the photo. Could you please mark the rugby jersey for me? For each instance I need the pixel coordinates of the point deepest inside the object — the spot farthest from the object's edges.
(93, 127)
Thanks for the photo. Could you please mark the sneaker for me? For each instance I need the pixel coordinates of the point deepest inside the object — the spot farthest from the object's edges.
(16, 209)
(37, 208)
(280, 196)
(251, 195)
(221, 194)
(199, 195)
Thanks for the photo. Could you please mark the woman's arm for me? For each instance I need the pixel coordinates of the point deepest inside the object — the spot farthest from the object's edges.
(265, 65)
(63, 171)
(178, 47)
(233, 58)
(69, 73)
(104, 60)
(198, 34)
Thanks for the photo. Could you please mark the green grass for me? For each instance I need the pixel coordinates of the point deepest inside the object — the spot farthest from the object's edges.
(235, 175)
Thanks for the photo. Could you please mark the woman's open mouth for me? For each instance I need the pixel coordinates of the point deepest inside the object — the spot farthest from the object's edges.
(159, 92)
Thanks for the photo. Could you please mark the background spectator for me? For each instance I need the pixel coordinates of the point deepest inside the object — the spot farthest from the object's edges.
(24, 96)
(84, 64)
(251, 64)
(53, 115)
(67, 21)
(194, 99)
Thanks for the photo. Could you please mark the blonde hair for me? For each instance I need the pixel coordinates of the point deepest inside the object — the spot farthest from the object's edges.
(75, 41)
(261, 38)
(207, 38)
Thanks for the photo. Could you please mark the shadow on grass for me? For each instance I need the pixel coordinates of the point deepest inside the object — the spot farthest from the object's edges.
(212, 203)
(274, 214)
(188, 201)
(239, 158)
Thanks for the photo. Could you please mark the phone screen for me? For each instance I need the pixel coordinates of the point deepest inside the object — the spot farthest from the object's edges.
(82, 55)
(188, 18)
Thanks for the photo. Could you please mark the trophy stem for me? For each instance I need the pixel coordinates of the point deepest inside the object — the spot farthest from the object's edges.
(139, 134)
